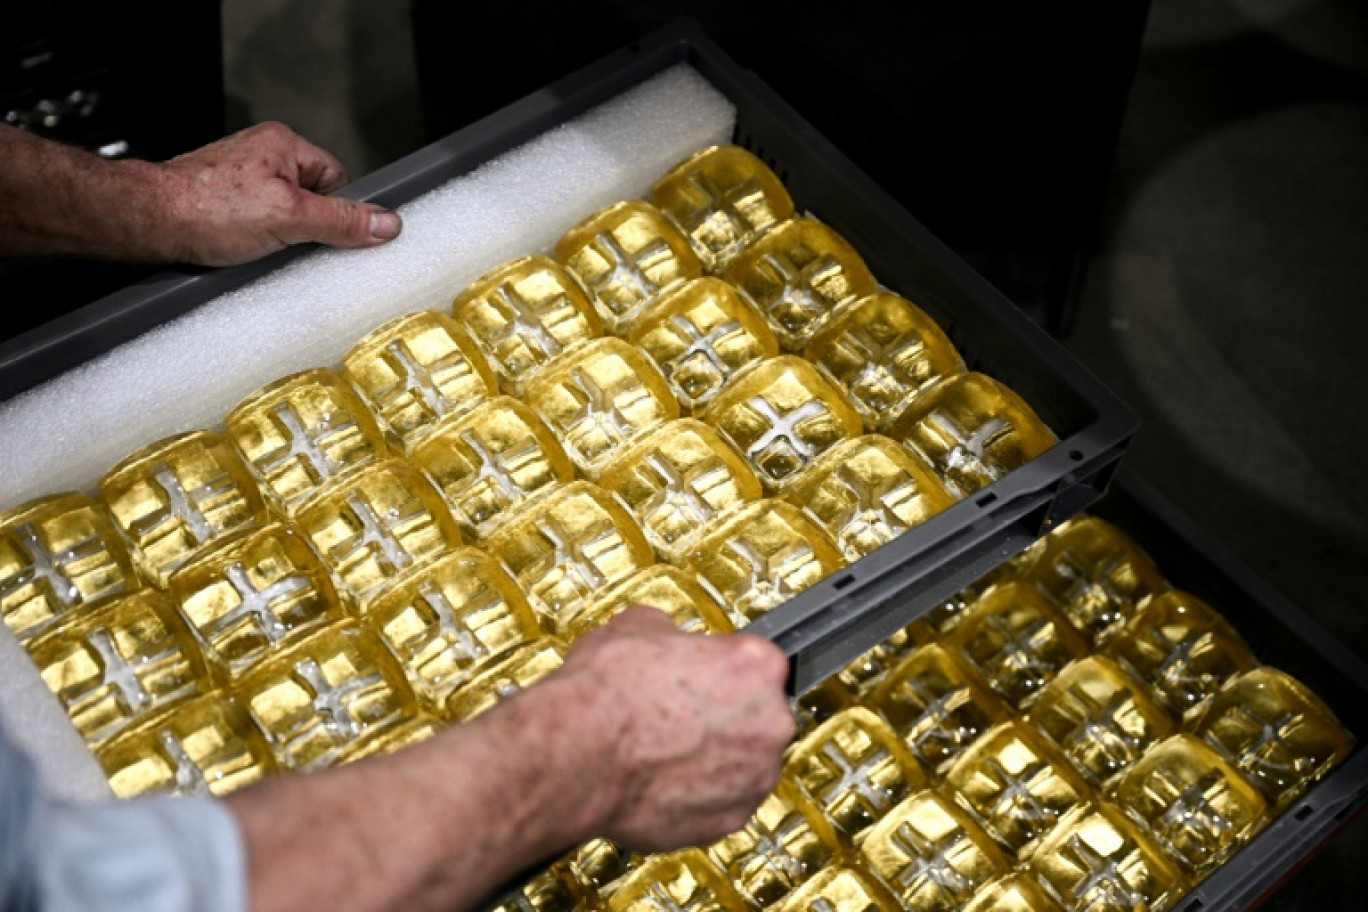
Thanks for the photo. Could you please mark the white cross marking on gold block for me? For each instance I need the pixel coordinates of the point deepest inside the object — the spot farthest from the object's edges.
(929, 859)
(257, 603)
(453, 627)
(854, 777)
(624, 269)
(188, 776)
(1099, 874)
(304, 442)
(969, 448)
(183, 505)
(116, 672)
(332, 702)
(47, 566)
(783, 426)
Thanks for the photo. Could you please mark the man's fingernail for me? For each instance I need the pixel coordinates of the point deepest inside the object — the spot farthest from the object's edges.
(384, 225)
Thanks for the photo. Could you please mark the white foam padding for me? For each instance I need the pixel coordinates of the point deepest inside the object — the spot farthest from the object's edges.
(189, 373)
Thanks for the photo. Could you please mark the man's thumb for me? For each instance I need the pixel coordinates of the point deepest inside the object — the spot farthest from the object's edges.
(340, 222)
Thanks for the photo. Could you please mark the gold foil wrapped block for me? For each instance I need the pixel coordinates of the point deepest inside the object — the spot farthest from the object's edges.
(416, 370)
(930, 854)
(941, 620)
(549, 891)
(855, 769)
(868, 491)
(1016, 642)
(819, 704)
(782, 415)
(840, 889)
(1096, 575)
(328, 697)
(868, 670)
(673, 590)
(785, 842)
(798, 273)
(1015, 785)
(763, 555)
(209, 745)
(1013, 893)
(627, 254)
(569, 548)
(676, 480)
(972, 430)
(701, 334)
(600, 399)
(299, 432)
(451, 619)
(722, 198)
(509, 674)
(1097, 860)
(415, 731)
(598, 865)
(1276, 731)
(683, 881)
(490, 461)
(174, 498)
(523, 314)
(121, 666)
(1193, 802)
(1100, 717)
(935, 705)
(376, 525)
(883, 351)
(1182, 649)
(59, 557)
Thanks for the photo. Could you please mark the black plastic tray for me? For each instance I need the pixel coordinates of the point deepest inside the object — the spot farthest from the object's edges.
(829, 624)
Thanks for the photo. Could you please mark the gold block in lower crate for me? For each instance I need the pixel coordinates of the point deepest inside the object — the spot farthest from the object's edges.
(868, 491)
(524, 313)
(416, 370)
(451, 619)
(254, 594)
(333, 694)
(1100, 717)
(569, 548)
(1182, 649)
(683, 881)
(173, 498)
(935, 705)
(510, 673)
(490, 461)
(121, 666)
(673, 590)
(209, 745)
(930, 854)
(855, 769)
(1013, 893)
(883, 350)
(1096, 575)
(301, 431)
(839, 888)
(601, 399)
(701, 334)
(786, 841)
(549, 891)
(1194, 803)
(1276, 731)
(676, 480)
(1097, 860)
(1015, 785)
(819, 704)
(598, 865)
(972, 430)
(782, 415)
(761, 556)
(1015, 641)
(373, 526)
(870, 669)
(626, 254)
(798, 272)
(722, 197)
(59, 557)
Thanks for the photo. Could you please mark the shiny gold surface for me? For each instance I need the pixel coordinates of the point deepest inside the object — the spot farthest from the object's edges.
(701, 334)
(451, 619)
(839, 888)
(509, 674)
(817, 706)
(330, 696)
(209, 745)
(782, 415)
(722, 197)
(121, 666)
(677, 480)
(550, 891)
(683, 881)
(627, 254)
(786, 841)
(416, 370)
(59, 557)
(798, 272)
(871, 668)
(868, 491)
(972, 430)
(930, 854)
(1013, 893)
(600, 399)
(1097, 860)
(597, 865)
(173, 498)
(673, 590)
(568, 549)
(763, 555)
(883, 350)
(855, 769)
(490, 461)
(524, 313)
